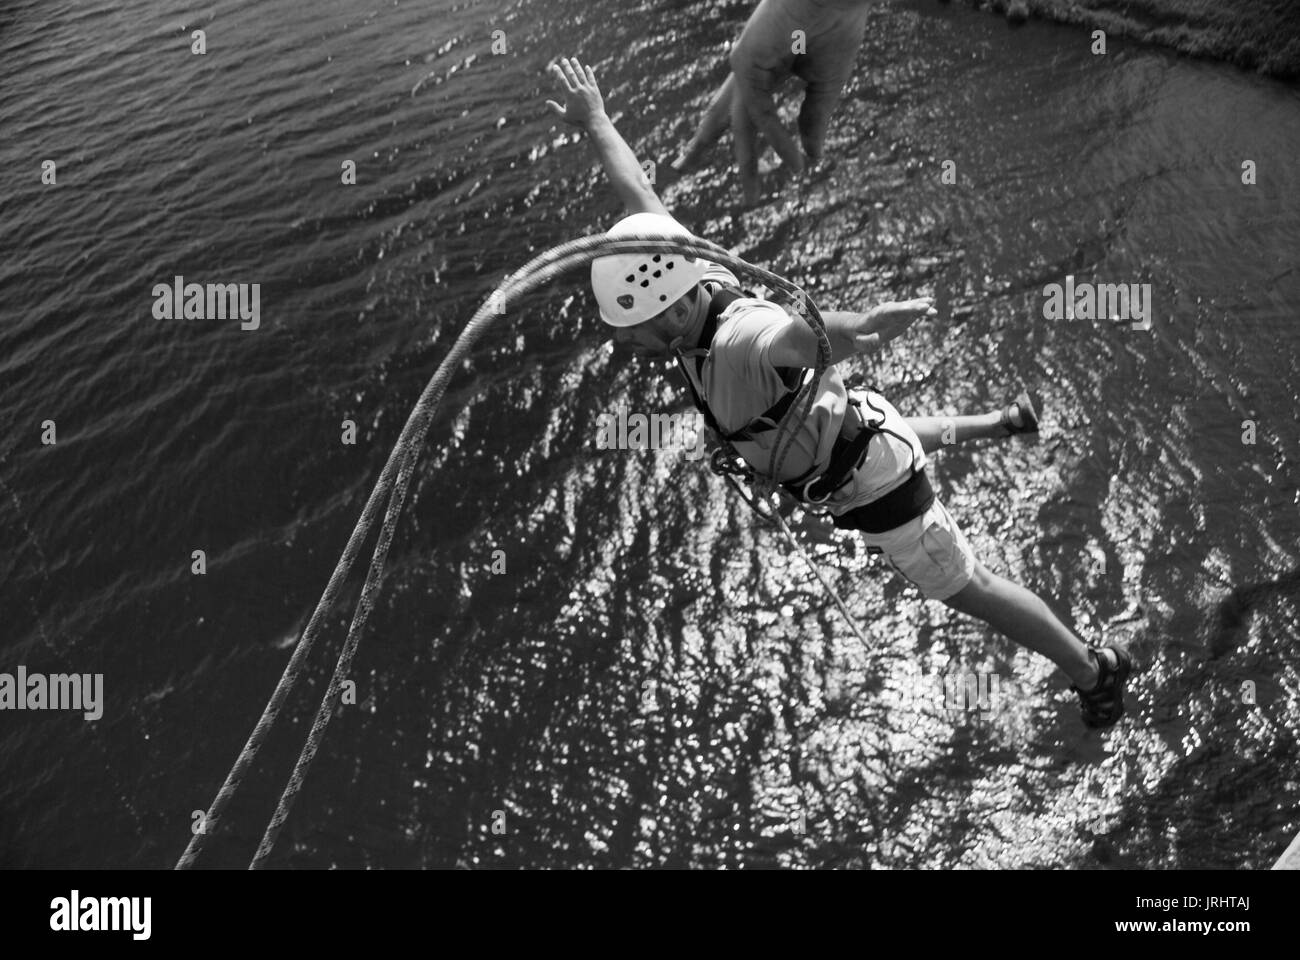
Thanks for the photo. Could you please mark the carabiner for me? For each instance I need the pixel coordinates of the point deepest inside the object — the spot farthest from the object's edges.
(807, 499)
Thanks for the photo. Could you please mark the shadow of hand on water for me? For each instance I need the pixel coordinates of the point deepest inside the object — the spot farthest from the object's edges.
(1232, 618)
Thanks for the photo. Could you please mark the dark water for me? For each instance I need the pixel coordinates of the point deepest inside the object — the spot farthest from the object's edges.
(655, 679)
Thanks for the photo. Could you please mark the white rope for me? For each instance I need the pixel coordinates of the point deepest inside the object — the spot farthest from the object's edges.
(830, 591)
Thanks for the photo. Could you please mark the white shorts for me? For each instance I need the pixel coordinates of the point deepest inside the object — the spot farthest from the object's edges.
(930, 551)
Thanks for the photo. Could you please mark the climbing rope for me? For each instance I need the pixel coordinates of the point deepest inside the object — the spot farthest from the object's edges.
(394, 481)
(831, 591)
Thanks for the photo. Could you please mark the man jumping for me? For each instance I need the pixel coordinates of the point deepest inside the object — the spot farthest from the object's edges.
(743, 359)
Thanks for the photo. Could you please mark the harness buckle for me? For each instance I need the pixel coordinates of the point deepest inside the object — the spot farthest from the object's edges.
(724, 464)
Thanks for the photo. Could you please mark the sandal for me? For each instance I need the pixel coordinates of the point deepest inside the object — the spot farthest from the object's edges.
(1103, 705)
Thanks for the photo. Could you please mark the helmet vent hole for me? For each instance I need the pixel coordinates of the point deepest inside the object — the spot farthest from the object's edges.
(645, 283)
(644, 268)
(657, 274)
(630, 278)
(669, 264)
(662, 298)
(655, 258)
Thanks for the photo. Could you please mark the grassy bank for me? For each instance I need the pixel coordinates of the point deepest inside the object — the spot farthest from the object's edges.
(1261, 35)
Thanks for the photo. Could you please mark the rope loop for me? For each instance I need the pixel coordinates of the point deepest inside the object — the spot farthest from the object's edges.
(390, 492)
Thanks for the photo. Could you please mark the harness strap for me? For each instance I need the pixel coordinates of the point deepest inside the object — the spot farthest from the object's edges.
(817, 484)
(792, 377)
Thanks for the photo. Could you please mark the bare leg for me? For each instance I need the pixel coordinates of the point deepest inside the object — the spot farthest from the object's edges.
(936, 432)
(1022, 616)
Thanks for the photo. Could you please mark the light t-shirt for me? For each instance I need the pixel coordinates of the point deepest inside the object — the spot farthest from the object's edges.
(740, 382)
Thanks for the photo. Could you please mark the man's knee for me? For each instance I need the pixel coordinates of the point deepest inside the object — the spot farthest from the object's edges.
(976, 595)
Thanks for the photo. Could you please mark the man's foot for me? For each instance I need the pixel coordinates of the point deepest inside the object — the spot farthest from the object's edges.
(1103, 705)
(1021, 416)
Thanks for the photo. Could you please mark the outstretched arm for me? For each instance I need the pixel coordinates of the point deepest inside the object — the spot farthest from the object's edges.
(584, 107)
(849, 333)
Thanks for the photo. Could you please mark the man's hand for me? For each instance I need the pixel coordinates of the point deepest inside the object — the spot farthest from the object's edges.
(795, 345)
(770, 50)
(584, 100)
(585, 108)
(886, 321)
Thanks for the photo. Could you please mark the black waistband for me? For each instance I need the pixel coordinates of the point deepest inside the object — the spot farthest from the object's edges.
(894, 509)
(846, 456)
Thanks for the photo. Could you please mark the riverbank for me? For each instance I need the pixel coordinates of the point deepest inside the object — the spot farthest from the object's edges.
(1262, 35)
(1290, 859)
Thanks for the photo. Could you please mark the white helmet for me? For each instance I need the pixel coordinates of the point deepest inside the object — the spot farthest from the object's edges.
(631, 288)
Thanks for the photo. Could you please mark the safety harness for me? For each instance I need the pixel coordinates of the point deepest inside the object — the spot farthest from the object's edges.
(817, 484)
